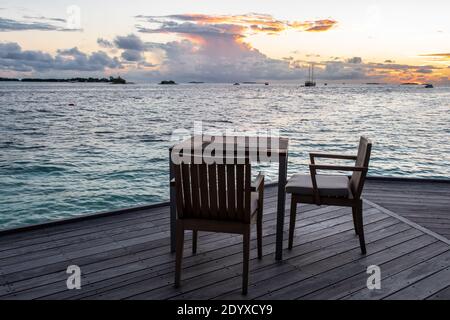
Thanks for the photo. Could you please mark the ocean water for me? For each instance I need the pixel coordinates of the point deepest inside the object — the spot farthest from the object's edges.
(72, 149)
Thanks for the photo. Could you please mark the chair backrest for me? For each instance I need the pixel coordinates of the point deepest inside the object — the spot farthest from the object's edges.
(214, 191)
(363, 158)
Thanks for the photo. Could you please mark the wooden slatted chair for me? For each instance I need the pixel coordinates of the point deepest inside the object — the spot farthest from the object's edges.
(218, 198)
(335, 190)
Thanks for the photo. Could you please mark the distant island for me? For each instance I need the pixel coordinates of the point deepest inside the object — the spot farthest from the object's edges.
(196, 82)
(410, 84)
(167, 82)
(117, 80)
(112, 80)
(9, 79)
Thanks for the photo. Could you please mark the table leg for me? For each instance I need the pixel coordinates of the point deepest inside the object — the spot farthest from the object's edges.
(173, 208)
(282, 177)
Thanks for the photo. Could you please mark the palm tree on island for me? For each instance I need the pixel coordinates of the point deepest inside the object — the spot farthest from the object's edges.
(117, 80)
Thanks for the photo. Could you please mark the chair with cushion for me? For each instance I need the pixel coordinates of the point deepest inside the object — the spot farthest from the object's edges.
(334, 190)
(216, 197)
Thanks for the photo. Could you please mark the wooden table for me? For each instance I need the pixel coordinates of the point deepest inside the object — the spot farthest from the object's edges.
(275, 148)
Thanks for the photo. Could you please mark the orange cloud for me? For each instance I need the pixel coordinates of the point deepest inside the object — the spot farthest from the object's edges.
(397, 73)
(439, 56)
(314, 26)
(322, 25)
(356, 69)
(242, 24)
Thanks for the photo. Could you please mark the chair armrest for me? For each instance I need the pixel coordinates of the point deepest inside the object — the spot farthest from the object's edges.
(259, 183)
(314, 155)
(313, 170)
(315, 167)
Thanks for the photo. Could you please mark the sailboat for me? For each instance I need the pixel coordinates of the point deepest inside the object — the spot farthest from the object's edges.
(310, 82)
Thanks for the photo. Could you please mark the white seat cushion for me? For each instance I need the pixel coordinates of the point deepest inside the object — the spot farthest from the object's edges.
(328, 185)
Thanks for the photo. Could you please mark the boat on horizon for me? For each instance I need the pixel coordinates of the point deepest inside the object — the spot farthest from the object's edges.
(310, 82)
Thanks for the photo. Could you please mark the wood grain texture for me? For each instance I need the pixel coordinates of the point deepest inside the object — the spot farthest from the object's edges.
(127, 256)
(425, 203)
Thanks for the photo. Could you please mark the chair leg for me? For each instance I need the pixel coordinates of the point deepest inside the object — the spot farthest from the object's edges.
(259, 231)
(179, 252)
(354, 211)
(360, 227)
(246, 238)
(292, 222)
(194, 242)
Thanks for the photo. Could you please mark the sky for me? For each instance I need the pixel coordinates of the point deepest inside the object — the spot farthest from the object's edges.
(227, 41)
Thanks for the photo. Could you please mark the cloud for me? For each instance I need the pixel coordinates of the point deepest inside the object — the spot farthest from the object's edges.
(356, 70)
(13, 25)
(133, 49)
(320, 25)
(132, 55)
(215, 47)
(212, 48)
(387, 72)
(220, 54)
(438, 56)
(400, 67)
(355, 60)
(12, 57)
(239, 26)
(7, 25)
(223, 60)
(104, 43)
(336, 70)
(129, 42)
(425, 71)
(43, 18)
(207, 57)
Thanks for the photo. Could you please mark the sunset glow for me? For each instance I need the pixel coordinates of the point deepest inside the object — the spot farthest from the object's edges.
(353, 42)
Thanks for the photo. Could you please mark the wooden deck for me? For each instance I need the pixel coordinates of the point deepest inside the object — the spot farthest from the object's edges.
(125, 255)
(426, 203)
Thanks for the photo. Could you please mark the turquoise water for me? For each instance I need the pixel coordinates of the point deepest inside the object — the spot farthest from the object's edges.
(109, 149)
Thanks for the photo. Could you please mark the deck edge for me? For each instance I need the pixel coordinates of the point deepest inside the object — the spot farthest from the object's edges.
(83, 217)
(408, 222)
(408, 179)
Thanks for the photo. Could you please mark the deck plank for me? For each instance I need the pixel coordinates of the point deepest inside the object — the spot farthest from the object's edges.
(345, 287)
(425, 203)
(209, 255)
(315, 264)
(126, 256)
